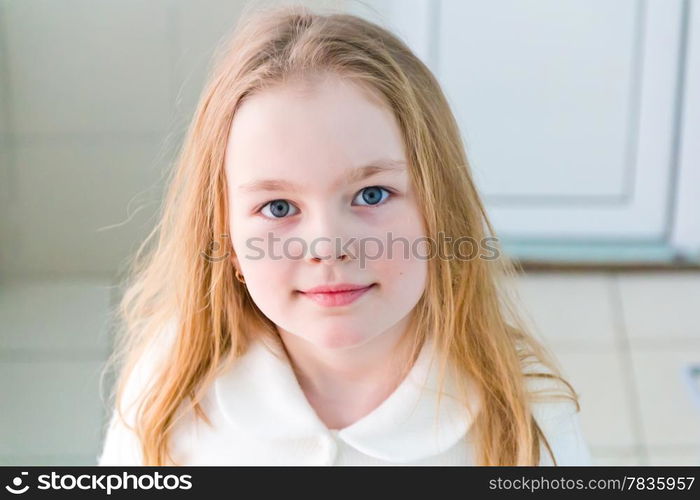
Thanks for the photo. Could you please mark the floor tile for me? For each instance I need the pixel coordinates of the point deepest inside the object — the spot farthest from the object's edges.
(670, 410)
(661, 307)
(607, 418)
(570, 310)
(674, 455)
(616, 456)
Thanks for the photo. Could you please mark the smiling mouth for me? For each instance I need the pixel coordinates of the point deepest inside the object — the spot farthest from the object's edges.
(338, 298)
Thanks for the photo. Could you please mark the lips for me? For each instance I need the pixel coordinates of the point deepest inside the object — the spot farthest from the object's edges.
(340, 287)
(338, 295)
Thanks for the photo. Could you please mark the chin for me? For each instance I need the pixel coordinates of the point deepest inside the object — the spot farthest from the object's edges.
(337, 339)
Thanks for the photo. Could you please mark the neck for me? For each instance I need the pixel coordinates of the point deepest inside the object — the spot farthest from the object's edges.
(343, 385)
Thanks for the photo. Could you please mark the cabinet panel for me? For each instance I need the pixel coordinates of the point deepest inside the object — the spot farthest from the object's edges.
(567, 111)
(545, 92)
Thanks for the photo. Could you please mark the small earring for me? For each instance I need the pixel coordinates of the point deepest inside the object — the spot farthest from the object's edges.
(239, 276)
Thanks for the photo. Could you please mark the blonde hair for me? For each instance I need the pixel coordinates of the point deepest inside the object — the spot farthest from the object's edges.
(467, 305)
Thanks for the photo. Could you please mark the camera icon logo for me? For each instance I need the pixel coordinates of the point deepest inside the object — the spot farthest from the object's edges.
(17, 482)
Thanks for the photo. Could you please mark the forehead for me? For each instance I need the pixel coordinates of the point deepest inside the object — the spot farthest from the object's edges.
(310, 135)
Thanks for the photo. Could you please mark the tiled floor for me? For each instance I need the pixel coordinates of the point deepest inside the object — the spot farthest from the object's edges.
(626, 340)
(623, 339)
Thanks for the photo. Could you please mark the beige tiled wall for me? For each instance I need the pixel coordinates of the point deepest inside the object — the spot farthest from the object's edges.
(54, 341)
(94, 99)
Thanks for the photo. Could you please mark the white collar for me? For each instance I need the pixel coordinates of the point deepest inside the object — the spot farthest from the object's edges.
(260, 394)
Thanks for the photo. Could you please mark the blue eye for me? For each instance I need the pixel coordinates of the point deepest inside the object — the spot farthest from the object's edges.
(279, 209)
(373, 194)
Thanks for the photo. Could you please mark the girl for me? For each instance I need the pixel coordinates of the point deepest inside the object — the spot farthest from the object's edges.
(309, 300)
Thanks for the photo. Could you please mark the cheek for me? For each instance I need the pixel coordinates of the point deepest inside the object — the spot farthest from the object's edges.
(260, 263)
(403, 279)
(403, 268)
(270, 284)
(264, 274)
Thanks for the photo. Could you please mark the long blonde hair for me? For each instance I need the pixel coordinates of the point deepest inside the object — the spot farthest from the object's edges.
(468, 306)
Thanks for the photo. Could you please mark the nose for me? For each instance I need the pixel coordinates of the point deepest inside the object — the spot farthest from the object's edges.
(341, 258)
(328, 243)
(327, 250)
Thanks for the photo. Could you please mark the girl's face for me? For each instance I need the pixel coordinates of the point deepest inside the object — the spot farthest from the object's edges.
(304, 213)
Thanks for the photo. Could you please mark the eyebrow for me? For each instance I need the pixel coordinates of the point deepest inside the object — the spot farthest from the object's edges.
(352, 175)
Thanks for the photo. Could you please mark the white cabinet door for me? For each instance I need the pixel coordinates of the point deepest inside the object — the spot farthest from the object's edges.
(568, 108)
